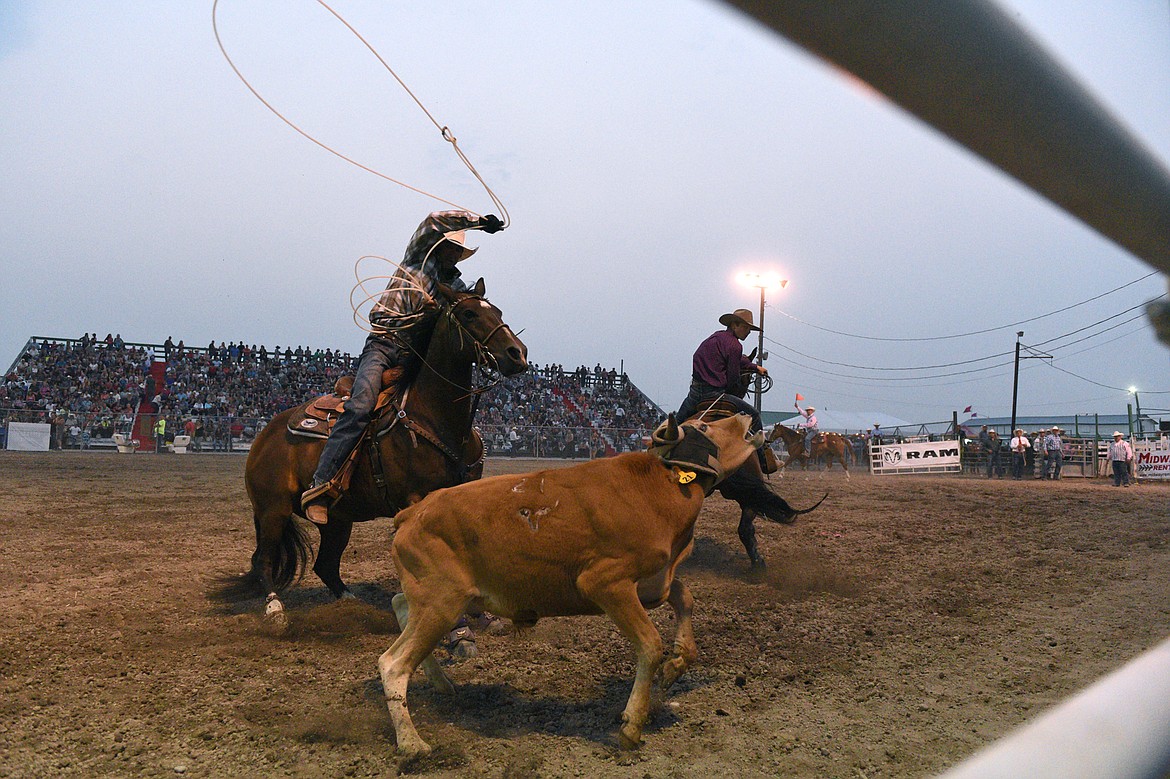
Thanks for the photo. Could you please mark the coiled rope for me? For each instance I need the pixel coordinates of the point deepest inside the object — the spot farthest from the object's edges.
(444, 131)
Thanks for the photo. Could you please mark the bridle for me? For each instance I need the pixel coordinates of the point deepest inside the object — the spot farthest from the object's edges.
(488, 364)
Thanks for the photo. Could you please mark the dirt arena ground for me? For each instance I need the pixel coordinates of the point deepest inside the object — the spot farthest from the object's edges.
(903, 625)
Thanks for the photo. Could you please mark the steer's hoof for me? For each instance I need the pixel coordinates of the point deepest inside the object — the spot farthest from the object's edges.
(629, 736)
(670, 672)
(410, 750)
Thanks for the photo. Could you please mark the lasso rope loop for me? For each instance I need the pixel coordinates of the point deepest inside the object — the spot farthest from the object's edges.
(446, 133)
(489, 365)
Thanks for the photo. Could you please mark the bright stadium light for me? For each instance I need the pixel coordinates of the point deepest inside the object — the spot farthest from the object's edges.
(1138, 404)
(768, 280)
(762, 282)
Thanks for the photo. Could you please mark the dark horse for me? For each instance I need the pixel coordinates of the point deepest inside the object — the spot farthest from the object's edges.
(828, 445)
(748, 488)
(411, 449)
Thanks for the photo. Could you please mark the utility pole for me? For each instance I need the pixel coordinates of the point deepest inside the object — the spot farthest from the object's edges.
(1016, 376)
(1016, 381)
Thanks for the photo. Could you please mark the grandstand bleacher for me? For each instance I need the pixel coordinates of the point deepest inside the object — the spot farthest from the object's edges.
(89, 390)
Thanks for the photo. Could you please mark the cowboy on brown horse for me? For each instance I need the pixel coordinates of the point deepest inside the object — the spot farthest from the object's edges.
(810, 426)
(402, 321)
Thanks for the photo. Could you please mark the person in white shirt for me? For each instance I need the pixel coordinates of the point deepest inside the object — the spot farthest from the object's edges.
(1120, 455)
(809, 424)
(1019, 446)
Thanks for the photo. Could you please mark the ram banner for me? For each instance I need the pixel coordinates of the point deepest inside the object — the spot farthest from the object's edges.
(922, 457)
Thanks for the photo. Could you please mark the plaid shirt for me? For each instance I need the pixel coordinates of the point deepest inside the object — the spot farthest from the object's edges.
(403, 305)
(1120, 450)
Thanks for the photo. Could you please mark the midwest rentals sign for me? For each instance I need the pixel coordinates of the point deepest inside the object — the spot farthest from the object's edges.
(1153, 460)
(920, 457)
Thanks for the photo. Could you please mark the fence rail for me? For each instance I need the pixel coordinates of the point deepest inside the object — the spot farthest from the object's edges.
(235, 435)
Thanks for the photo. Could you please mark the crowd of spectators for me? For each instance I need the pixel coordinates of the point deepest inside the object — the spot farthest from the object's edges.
(91, 388)
(86, 386)
(551, 412)
(237, 380)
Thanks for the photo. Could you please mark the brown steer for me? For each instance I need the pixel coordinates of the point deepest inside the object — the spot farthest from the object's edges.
(601, 537)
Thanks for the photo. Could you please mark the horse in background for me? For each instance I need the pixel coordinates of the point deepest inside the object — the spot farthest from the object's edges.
(417, 443)
(831, 446)
(747, 487)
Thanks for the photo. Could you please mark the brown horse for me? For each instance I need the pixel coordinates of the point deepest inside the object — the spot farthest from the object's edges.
(831, 446)
(425, 443)
(747, 487)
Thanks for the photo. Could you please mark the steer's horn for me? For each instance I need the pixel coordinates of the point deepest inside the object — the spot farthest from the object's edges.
(667, 432)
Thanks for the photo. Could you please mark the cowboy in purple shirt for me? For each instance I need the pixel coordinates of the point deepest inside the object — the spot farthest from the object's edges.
(717, 365)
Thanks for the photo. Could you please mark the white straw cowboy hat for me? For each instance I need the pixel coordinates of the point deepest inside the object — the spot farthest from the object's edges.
(458, 238)
(740, 316)
(1118, 434)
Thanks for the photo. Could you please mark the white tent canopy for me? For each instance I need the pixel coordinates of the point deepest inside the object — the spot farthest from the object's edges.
(844, 421)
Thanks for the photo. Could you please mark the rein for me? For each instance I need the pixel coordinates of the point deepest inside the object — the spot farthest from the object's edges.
(483, 357)
(415, 429)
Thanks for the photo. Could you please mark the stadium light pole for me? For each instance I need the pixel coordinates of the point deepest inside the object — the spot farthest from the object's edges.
(762, 282)
(1137, 403)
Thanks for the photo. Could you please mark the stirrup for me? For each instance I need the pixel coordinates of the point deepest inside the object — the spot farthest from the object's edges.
(327, 490)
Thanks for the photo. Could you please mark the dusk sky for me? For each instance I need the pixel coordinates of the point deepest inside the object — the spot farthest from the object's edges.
(647, 152)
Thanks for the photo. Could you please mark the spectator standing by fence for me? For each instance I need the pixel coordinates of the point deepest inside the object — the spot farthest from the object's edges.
(989, 440)
(160, 434)
(1054, 447)
(1040, 452)
(1019, 446)
(1120, 457)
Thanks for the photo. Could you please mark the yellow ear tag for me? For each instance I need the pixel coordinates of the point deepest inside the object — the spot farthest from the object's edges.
(686, 477)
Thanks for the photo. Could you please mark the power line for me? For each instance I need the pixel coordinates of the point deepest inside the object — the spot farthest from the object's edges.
(1099, 322)
(973, 332)
(966, 362)
(884, 378)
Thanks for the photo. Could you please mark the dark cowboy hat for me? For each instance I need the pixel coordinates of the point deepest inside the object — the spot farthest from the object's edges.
(740, 316)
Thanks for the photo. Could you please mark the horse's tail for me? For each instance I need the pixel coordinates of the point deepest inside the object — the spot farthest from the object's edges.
(290, 559)
(748, 488)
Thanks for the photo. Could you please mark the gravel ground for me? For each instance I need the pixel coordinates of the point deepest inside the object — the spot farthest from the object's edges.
(900, 627)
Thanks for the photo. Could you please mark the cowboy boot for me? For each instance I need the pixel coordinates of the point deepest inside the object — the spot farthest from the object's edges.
(768, 460)
(316, 500)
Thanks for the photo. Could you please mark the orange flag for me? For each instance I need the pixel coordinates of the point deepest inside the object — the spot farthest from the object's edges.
(799, 397)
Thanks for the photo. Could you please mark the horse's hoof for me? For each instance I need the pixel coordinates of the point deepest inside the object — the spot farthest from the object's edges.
(276, 622)
(461, 643)
(347, 595)
(274, 616)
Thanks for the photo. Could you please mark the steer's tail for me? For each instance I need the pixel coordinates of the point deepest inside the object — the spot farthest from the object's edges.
(750, 491)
